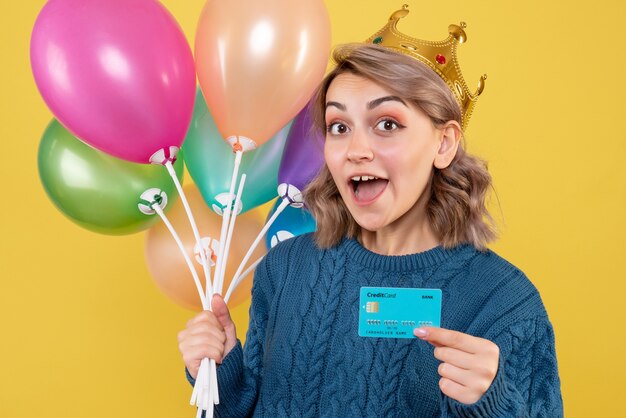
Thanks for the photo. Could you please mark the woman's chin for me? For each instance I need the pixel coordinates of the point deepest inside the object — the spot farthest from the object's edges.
(369, 225)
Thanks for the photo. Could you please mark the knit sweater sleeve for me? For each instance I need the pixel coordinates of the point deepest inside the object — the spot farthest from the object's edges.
(527, 382)
(239, 375)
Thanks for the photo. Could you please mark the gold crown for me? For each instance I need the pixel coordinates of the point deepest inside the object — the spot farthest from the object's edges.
(438, 55)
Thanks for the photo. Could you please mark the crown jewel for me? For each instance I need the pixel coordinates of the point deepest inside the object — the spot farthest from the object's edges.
(438, 55)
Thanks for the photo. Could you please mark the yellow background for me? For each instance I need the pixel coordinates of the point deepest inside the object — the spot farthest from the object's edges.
(84, 332)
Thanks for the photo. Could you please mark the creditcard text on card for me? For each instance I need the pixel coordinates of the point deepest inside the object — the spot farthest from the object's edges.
(394, 312)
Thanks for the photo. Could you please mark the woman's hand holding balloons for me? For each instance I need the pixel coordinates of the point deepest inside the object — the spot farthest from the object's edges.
(207, 335)
(469, 364)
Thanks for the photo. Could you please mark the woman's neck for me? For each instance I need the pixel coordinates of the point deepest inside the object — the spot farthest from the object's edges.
(409, 234)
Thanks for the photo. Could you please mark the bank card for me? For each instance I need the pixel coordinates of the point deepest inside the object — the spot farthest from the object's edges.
(394, 312)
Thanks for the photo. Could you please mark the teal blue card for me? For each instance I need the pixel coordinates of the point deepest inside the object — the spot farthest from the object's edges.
(394, 312)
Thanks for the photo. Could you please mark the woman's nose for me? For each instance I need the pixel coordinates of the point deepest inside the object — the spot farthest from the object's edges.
(359, 149)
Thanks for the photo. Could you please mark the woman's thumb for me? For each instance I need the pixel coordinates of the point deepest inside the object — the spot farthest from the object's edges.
(221, 312)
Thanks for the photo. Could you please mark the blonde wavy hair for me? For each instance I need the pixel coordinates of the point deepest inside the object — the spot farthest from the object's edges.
(456, 208)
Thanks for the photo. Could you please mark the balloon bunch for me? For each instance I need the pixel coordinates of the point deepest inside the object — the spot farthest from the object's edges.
(119, 77)
(256, 73)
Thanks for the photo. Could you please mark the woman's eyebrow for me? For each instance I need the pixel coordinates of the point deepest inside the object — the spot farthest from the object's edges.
(377, 102)
(337, 105)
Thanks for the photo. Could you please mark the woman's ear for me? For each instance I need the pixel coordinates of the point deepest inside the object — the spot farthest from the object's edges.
(450, 137)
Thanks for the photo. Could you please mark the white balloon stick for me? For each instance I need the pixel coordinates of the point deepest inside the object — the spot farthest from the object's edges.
(225, 221)
(192, 269)
(231, 228)
(204, 390)
(206, 402)
(216, 394)
(215, 398)
(212, 385)
(213, 390)
(205, 394)
(192, 221)
(196, 394)
(269, 223)
(209, 412)
(233, 285)
(209, 287)
(216, 276)
(208, 392)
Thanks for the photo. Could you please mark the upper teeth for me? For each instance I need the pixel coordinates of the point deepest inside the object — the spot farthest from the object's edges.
(364, 178)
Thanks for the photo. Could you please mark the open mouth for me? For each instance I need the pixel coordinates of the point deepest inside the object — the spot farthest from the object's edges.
(367, 188)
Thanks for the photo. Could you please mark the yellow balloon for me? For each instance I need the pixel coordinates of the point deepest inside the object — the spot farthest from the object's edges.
(259, 62)
(167, 266)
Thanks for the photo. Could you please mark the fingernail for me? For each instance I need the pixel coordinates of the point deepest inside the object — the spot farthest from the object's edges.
(420, 332)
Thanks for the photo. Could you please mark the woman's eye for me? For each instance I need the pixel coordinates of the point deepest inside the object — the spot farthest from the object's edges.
(337, 128)
(387, 125)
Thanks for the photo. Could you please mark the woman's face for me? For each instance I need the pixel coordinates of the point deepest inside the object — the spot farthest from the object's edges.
(380, 152)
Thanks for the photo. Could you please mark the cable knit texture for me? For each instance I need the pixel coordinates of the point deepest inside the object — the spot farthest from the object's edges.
(303, 356)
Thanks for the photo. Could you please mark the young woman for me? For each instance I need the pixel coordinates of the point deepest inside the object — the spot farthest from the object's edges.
(399, 203)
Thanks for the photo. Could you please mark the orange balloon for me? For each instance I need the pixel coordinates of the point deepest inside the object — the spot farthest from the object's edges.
(167, 265)
(259, 62)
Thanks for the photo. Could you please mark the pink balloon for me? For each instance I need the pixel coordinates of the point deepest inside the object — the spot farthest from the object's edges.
(119, 74)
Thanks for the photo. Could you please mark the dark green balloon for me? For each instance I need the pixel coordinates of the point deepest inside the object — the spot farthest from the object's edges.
(95, 190)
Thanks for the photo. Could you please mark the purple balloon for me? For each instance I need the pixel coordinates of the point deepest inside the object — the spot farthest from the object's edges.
(303, 156)
(119, 74)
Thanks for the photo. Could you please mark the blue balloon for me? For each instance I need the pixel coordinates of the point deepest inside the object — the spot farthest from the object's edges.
(289, 223)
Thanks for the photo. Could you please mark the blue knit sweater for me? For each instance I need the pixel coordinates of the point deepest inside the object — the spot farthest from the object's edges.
(303, 355)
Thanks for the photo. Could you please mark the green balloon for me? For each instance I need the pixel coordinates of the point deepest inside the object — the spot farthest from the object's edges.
(95, 190)
(210, 161)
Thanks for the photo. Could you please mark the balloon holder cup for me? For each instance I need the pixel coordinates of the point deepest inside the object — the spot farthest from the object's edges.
(164, 155)
(210, 247)
(149, 199)
(280, 236)
(292, 194)
(222, 200)
(241, 143)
